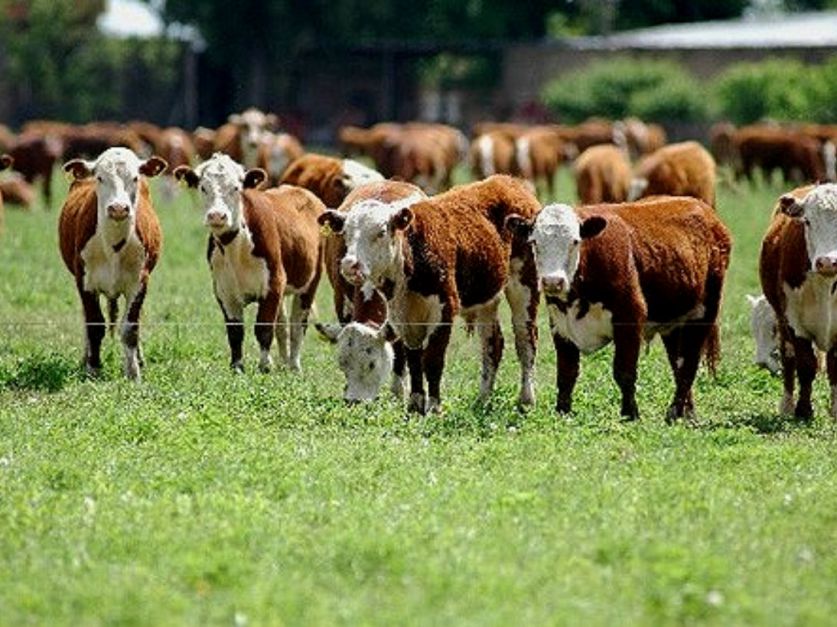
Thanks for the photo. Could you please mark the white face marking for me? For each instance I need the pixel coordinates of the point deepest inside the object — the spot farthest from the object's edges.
(763, 328)
(819, 213)
(556, 236)
(365, 357)
(252, 123)
(220, 181)
(117, 183)
(356, 174)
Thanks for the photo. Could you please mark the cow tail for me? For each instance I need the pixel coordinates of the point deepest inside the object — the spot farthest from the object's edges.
(712, 348)
(113, 313)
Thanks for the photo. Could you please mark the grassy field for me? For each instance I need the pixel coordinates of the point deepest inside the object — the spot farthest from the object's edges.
(204, 498)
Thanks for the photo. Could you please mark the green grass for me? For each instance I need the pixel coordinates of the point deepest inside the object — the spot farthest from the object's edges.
(200, 497)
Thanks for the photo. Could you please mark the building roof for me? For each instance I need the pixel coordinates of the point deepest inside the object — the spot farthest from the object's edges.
(796, 30)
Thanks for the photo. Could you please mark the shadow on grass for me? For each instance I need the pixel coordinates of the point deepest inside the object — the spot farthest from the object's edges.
(763, 424)
(39, 372)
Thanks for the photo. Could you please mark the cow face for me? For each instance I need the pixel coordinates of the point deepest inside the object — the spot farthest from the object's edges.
(818, 212)
(372, 231)
(220, 181)
(251, 124)
(556, 235)
(117, 172)
(365, 357)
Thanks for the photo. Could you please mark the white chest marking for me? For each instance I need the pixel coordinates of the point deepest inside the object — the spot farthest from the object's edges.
(588, 333)
(109, 272)
(812, 310)
(239, 277)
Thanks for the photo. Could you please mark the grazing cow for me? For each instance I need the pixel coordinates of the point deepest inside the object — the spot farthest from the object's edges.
(441, 257)
(492, 153)
(765, 332)
(262, 246)
(683, 169)
(639, 138)
(624, 273)
(329, 178)
(110, 241)
(35, 155)
(602, 174)
(538, 154)
(276, 152)
(797, 156)
(362, 311)
(798, 271)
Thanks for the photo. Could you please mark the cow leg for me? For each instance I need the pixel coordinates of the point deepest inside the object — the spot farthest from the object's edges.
(627, 340)
(433, 362)
(806, 370)
(299, 325)
(831, 365)
(491, 337)
(787, 356)
(523, 301)
(398, 366)
(417, 400)
(683, 347)
(265, 327)
(234, 323)
(94, 324)
(567, 357)
(130, 331)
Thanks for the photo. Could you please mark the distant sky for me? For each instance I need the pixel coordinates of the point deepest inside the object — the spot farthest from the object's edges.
(124, 18)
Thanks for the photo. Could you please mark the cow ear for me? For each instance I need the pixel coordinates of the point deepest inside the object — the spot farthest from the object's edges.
(592, 226)
(329, 331)
(254, 178)
(153, 166)
(518, 226)
(332, 220)
(401, 220)
(187, 175)
(79, 168)
(6, 162)
(789, 205)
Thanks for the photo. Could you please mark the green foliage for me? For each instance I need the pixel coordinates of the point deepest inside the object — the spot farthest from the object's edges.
(617, 88)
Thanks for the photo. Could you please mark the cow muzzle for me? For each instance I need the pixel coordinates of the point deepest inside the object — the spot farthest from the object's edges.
(554, 285)
(216, 219)
(826, 266)
(351, 271)
(118, 212)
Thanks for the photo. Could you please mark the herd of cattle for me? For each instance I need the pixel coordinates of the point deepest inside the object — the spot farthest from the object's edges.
(644, 254)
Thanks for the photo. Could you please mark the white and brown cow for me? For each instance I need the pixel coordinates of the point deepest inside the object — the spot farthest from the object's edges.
(445, 256)
(623, 273)
(110, 241)
(798, 270)
(765, 331)
(262, 246)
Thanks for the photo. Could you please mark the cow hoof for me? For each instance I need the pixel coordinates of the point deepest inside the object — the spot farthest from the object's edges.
(526, 398)
(416, 403)
(563, 407)
(397, 388)
(786, 405)
(92, 371)
(804, 412)
(237, 368)
(264, 368)
(434, 406)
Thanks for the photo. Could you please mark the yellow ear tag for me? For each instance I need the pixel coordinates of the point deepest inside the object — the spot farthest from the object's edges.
(325, 230)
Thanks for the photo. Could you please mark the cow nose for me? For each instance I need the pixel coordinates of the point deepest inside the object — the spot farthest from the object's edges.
(826, 266)
(118, 211)
(350, 268)
(216, 218)
(554, 284)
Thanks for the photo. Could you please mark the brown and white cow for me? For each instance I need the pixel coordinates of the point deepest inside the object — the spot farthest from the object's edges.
(682, 169)
(239, 137)
(263, 245)
(798, 270)
(624, 273)
(492, 153)
(276, 152)
(602, 174)
(362, 311)
(442, 257)
(765, 331)
(538, 154)
(110, 241)
(329, 178)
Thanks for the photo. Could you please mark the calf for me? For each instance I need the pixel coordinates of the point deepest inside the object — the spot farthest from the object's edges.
(683, 169)
(798, 271)
(362, 310)
(765, 333)
(110, 241)
(602, 174)
(625, 272)
(441, 257)
(262, 246)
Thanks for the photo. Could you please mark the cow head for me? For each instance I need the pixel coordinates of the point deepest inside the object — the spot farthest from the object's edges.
(220, 181)
(818, 212)
(251, 124)
(356, 174)
(765, 332)
(372, 231)
(364, 355)
(556, 234)
(117, 172)
(5, 162)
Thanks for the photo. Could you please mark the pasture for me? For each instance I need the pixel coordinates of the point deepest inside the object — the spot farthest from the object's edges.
(201, 497)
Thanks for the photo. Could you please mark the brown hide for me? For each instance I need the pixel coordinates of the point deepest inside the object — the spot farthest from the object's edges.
(320, 174)
(502, 152)
(682, 169)
(772, 148)
(602, 175)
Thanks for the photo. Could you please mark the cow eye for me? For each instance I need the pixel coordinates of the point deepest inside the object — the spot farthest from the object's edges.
(100, 178)
(371, 365)
(136, 179)
(806, 222)
(576, 242)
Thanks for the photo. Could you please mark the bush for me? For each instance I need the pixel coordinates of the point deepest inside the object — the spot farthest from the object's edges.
(653, 90)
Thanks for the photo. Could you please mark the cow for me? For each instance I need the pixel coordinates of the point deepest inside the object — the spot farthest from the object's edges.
(538, 154)
(239, 137)
(441, 257)
(722, 144)
(16, 191)
(623, 273)
(765, 332)
(35, 155)
(492, 153)
(110, 241)
(682, 169)
(329, 178)
(798, 270)
(797, 156)
(362, 311)
(602, 175)
(204, 141)
(276, 152)
(637, 137)
(262, 246)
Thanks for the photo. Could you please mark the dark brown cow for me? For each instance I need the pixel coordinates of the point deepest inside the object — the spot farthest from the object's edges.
(446, 256)
(798, 157)
(263, 245)
(110, 241)
(625, 272)
(35, 156)
(602, 174)
(798, 270)
(682, 169)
